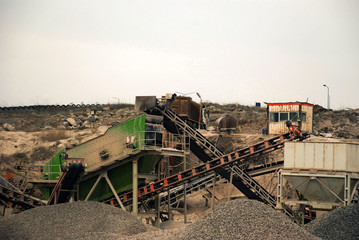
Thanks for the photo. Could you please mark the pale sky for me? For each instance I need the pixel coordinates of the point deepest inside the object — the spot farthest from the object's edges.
(244, 51)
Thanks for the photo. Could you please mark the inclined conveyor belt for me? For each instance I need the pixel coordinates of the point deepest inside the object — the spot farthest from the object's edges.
(12, 196)
(229, 162)
(66, 184)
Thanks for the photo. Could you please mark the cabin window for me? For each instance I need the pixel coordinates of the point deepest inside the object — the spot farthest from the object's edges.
(273, 117)
(304, 117)
(293, 116)
(283, 116)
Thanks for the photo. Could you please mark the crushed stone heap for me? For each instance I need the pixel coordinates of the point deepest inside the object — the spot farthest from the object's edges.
(341, 223)
(77, 220)
(245, 219)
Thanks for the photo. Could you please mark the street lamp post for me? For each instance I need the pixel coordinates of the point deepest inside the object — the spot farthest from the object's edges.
(118, 100)
(328, 97)
(199, 124)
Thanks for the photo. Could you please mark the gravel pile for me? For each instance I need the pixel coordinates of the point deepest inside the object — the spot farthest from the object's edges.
(341, 223)
(78, 220)
(245, 219)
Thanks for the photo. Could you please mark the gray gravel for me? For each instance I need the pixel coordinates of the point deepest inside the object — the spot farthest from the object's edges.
(245, 219)
(78, 220)
(341, 223)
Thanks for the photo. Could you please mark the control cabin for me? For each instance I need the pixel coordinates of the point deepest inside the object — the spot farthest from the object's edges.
(299, 113)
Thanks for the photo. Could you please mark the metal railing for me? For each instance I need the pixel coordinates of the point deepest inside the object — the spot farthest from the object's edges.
(153, 140)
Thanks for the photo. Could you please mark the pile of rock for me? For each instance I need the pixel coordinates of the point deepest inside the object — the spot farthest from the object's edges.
(341, 223)
(78, 220)
(245, 219)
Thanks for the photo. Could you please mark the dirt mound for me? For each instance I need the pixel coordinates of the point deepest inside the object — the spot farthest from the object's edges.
(245, 219)
(341, 223)
(78, 220)
(340, 124)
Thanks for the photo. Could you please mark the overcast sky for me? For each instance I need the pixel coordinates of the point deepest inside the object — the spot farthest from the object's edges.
(244, 51)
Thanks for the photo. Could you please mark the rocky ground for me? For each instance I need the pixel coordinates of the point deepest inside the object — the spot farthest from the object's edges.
(34, 136)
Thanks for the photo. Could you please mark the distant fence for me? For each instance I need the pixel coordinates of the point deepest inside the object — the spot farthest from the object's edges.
(50, 107)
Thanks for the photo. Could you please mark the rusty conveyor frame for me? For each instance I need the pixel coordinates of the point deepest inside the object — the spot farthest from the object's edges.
(236, 158)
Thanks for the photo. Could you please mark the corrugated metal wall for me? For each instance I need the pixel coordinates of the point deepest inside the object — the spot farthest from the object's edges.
(326, 156)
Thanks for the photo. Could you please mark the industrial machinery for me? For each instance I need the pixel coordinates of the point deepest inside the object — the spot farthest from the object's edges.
(232, 166)
(226, 123)
(109, 160)
(13, 200)
(120, 165)
(188, 110)
(321, 175)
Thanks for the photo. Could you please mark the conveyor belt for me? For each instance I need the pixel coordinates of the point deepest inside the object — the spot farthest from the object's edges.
(226, 162)
(206, 151)
(66, 184)
(175, 124)
(15, 198)
(176, 194)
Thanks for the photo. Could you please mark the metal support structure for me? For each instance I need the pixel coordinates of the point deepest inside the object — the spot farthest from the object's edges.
(213, 193)
(347, 190)
(157, 201)
(168, 191)
(114, 191)
(334, 194)
(354, 189)
(193, 133)
(230, 185)
(135, 187)
(234, 159)
(104, 175)
(328, 182)
(185, 203)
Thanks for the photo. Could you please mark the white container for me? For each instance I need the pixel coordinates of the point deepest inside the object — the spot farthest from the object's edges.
(323, 156)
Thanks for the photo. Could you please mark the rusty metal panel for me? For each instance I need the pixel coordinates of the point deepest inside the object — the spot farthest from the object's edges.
(144, 103)
(187, 109)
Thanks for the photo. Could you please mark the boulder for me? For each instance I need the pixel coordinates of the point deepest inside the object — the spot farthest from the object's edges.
(86, 124)
(72, 122)
(47, 128)
(8, 127)
(61, 127)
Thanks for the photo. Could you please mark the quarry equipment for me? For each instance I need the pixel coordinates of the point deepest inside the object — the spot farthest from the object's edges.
(324, 174)
(110, 160)
(120, 162)
(232, 161)
(13, 200)
(207, 152)
(184, 107)
(65, 187)
(226, 123)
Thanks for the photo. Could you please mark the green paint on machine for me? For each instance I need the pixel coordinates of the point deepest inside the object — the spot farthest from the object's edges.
(114, 140)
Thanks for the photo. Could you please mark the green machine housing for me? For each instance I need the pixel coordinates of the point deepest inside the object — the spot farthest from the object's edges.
(112, 152)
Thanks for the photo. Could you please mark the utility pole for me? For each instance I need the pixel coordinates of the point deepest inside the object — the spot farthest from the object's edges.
(328, 97)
